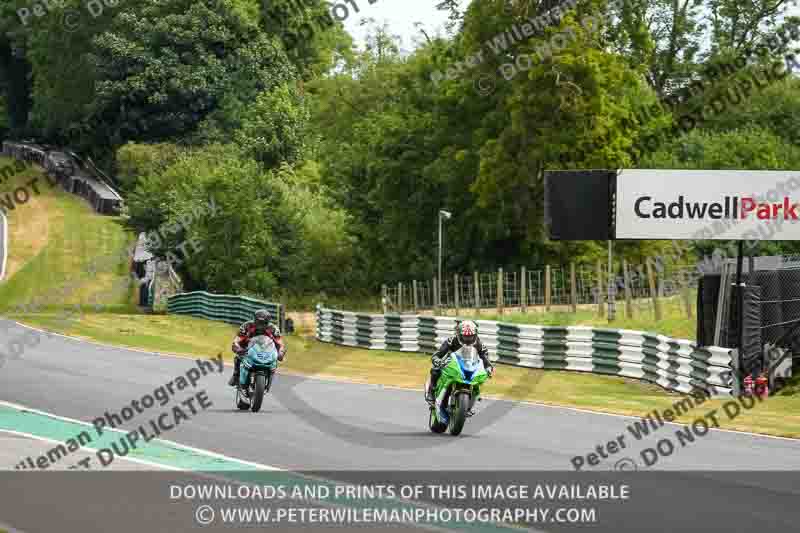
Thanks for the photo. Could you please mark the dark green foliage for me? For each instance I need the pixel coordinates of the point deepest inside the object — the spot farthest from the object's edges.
(162, 68)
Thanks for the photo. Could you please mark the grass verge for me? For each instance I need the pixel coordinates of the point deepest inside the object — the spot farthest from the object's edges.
(674, 320)
(780, 415)
(52, 240)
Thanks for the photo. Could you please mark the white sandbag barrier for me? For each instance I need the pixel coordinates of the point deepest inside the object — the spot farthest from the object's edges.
(674, 364)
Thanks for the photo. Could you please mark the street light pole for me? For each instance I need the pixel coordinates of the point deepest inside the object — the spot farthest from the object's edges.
(612, 286)
(442, 215)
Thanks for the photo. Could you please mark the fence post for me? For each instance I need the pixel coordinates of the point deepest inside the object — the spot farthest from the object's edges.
(627, 281)
(436, 309)
(612, 291)
(414, 295)
(600, 292)
(547, 288)
(455, 294)
(384, 298)
(499, 291)
(573, 288)
(523, 290)
(400, 298)
(686, 296)
(653, 291)
(477, 293)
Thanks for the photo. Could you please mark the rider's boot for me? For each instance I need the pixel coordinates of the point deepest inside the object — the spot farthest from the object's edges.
(234, 381)
(429, 394)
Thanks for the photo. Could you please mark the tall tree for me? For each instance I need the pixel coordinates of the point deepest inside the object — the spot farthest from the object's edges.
(666, 36)
(162, 68)
(311, 33)
(15, 67)
(738, 24)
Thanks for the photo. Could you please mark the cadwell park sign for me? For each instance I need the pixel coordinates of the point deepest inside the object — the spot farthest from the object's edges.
(707, 204)
(743, 205)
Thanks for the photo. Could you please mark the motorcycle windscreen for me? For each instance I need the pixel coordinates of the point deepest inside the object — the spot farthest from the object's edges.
(469, 361)
(262, 350)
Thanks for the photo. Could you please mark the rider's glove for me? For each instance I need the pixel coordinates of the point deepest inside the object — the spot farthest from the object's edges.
(238, 350)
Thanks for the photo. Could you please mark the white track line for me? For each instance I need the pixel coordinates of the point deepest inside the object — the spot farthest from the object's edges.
(201, 473)
(123, 432)
(334, 379)
(84, 447)
(10, 529)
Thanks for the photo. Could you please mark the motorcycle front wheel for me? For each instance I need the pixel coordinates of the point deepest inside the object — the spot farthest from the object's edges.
(258, 394)
(459, 414)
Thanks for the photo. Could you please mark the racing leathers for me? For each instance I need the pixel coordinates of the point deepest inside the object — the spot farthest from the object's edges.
(247, 331)
(442, 356)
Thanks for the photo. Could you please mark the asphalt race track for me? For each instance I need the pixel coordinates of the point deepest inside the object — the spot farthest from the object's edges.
(318, 425)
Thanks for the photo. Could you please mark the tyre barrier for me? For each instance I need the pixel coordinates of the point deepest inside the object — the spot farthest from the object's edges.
(223, 307)
(77, 176)
(675, 364)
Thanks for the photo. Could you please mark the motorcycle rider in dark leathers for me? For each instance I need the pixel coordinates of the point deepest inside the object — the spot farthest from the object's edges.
(466, 335)
(260, 325)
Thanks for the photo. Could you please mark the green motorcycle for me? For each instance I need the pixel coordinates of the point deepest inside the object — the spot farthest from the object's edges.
(457, 390)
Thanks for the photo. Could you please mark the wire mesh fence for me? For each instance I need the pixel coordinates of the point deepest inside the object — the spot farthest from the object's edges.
(780, 300)
(467, 291)
(586, 286)
(778, 278)
(488, 289)
(636, 290)
(425, 294)
(511, 289)
(535, 287)
(557, 286)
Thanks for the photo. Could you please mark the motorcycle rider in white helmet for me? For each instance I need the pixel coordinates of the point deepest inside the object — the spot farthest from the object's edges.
(466, 334)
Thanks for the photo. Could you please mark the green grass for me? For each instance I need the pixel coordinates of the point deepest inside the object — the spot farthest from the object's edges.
(355, 300)
(674, 322)
(53, 239)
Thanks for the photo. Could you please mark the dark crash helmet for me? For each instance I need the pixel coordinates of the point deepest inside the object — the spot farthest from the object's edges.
(262, 317)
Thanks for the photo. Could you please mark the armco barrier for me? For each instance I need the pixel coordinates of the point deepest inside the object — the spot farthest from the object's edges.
(674, 364)
(74, 174)
(224, 307)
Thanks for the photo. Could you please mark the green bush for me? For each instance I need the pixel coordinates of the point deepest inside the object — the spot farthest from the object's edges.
(749, 148)
(271, 229)
(136, 160)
